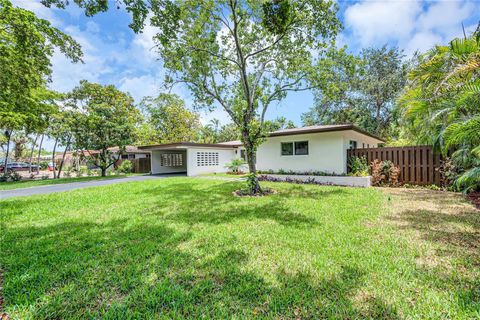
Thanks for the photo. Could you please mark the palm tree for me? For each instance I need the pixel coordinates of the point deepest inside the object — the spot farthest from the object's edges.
(442, 104)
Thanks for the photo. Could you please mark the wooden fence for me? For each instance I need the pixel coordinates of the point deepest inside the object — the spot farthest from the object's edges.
(140, 165)
(417, 164)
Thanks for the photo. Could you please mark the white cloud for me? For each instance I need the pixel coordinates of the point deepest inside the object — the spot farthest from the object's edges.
(411, 25)
(373, 22)
(140, 87)
(422, 41)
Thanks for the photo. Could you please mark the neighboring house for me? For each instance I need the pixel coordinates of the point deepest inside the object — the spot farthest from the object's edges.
(131, 152)
(80, 158)
(314, 148)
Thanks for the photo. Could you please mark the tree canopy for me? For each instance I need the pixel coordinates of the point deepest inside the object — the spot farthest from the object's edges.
(167, 120)
(441, 104)
(26, 47)
(360, 89)
(106, 118)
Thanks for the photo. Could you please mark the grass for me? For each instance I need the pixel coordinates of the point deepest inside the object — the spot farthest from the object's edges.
(185, 248)
(35, 183)
(226, 175)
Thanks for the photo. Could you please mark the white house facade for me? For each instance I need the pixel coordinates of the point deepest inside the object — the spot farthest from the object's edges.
(314, 148)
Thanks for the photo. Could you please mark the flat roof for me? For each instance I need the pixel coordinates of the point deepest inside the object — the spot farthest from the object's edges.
(278, 133)
(186, 144)
(321, 128)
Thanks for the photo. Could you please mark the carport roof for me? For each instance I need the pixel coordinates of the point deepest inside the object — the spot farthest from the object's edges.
(186, 144)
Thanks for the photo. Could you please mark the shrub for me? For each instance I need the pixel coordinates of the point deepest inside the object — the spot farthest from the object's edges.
(43, 165)
(45, 177)
(384, 173)
(67, 173)
(358, 166)
(235, 165)
(4, 177)
(125, 167)
(15, 176)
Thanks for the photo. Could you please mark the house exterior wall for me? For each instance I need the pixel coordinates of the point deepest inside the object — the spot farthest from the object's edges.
(224, 157)
(327, 152)
(157, 168)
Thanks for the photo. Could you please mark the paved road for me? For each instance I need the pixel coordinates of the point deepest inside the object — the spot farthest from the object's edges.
(4, 194)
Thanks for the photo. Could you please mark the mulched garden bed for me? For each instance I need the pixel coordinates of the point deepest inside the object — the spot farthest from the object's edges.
(474, 197)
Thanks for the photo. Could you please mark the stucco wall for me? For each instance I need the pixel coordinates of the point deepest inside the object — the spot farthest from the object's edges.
(327, 152)
(224, 157)
(158, 169)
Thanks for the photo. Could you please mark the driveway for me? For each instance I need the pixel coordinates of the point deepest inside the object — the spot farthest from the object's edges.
(76, 185)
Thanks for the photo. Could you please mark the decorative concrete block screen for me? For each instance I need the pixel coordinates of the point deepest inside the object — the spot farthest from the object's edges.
(207, 159)
(171, 160)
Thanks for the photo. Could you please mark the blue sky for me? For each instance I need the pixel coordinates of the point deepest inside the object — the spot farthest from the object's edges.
(116, 55)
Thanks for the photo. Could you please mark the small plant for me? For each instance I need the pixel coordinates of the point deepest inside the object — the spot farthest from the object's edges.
(4, 177)
(43, 165)
(45, 177)
(67, 173)
(15, 176)
(358, 166)
(384, 173)
(125, 167)
(235, 165)
(89, 173)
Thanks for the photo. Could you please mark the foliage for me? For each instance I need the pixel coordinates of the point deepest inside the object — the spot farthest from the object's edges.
(243, 55)
(384, 173)
(106, 118)
(358, 166)
(44, 165)
(449, 172)
(360, 89)
(27, 44)
(441, 104)
(125, 167)
(167, 121)
(236, 165)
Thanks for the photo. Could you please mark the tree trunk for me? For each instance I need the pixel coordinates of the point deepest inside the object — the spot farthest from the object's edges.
(39, 154)
(5, 163)
(252, 182)
(104, 171)
(53, 160)
(31, 154)
(63, 157)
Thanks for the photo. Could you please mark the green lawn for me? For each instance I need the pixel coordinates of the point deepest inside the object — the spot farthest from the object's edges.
(183, 247)
(35, 183)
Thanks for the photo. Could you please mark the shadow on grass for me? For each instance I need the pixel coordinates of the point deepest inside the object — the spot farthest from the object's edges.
(453, 228)
(144, 268)
(194, 204)
(114, 270)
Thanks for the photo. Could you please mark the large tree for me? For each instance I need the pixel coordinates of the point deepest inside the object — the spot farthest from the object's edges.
(360, 89)
(106, 118)
(27, 44)
(243, 55)
(167, 120)
(237, 54)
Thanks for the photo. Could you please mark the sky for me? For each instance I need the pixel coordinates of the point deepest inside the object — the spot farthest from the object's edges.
(114, 54)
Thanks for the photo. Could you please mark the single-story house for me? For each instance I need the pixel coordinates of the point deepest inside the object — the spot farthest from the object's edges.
(314, 148)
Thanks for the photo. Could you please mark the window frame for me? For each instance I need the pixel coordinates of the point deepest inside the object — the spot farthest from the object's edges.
(291, 143)
(295, 148)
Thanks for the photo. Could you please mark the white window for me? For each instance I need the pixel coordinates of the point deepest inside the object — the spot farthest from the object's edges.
(207, 159)
(299, 148)
(171, 160)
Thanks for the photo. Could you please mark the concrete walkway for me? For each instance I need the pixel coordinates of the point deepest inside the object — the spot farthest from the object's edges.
(4, 194)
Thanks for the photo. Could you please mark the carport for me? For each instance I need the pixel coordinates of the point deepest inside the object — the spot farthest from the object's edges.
(190, 158)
